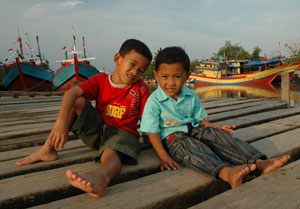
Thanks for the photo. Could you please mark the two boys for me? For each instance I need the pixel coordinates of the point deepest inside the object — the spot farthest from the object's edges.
(174, 119)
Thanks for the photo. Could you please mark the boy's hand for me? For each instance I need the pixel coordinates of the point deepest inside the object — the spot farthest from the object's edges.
(59, 134)
(227, 128)
(169, 164)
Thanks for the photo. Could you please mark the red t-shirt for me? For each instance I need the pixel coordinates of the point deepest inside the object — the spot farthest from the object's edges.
(119, 107)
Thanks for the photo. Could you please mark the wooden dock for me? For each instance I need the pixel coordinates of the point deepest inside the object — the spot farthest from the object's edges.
(26, 121)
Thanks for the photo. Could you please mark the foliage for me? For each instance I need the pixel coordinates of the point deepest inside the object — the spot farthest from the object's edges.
(255, 53)
(233, 52)
(193, 65)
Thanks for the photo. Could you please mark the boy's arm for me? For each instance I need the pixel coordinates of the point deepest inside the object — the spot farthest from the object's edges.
(166, 160)
(227, 128)
(60, 130)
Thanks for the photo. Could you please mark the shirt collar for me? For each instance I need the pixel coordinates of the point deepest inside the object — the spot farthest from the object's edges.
(161, 95)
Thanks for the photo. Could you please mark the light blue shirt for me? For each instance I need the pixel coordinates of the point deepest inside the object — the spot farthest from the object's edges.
(163, 114)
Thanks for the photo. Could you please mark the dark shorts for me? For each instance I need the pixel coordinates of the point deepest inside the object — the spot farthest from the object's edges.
(91, 129)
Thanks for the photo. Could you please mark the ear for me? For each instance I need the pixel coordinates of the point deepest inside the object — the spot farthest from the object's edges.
(155, 74)
(117, 58)
(188, 75)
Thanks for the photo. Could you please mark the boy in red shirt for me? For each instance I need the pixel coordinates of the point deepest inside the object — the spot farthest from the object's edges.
(111, 127)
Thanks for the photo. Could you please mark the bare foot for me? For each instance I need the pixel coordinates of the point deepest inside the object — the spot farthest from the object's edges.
(234, 176)
(268, 165)
(40, 155)
(93, 183)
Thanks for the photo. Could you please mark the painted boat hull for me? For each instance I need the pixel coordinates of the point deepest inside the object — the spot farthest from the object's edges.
(65, 77)
(255, 78)
(33, 78)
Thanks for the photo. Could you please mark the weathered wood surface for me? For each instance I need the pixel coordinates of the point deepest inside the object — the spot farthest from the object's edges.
(279, 189)
(267, 125)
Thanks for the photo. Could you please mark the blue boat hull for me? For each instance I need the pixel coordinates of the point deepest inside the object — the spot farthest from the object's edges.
(35, 78)
(65, 76)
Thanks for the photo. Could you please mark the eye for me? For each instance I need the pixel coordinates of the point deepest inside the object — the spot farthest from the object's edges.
(177, 76)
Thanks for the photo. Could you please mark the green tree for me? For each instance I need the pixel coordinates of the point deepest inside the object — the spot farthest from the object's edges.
(193, 65)
(232, 52)
(149, 71)
(255, 53)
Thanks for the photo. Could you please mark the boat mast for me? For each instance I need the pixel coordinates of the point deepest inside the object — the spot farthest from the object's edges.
(75, 56)
(84, 47)
(38, 44)
(29, 44)
(20, 42)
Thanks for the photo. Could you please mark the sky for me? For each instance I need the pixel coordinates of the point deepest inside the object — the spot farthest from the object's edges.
(201, 27)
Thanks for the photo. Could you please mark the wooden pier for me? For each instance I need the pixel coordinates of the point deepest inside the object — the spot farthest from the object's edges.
(266, 124)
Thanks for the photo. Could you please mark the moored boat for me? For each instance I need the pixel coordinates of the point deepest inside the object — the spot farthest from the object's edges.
(31, 74)
(223, 74)
(73, 71)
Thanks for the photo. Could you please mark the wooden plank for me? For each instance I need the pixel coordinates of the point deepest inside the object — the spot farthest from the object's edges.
(29, 106)
(55, 184)
(67, 157)
(279, 189)
(32, 121)
(169, 189)
(29, 93)
(285, 88)
(23, 131)
(203, 185)
(154, 191)
(284, 143)
(247, 111)
(20, 153)
(231, 102)
(234, 107)
(26, 141)
(254, 119)
(256, 132)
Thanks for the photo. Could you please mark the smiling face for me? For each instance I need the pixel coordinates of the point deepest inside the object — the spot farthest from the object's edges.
(129, 68)
(171, 78)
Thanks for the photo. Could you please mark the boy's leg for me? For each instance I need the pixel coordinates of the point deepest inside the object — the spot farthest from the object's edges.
(192, 153)
(227, 147)
(234, 175)
(236, 151)
(271, 164)
(47, 152)
(95, 182)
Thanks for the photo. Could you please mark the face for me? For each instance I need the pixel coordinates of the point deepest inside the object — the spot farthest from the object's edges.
(171, 78)
(129, 68)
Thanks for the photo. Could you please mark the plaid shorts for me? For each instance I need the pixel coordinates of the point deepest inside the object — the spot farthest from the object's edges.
(92, 130)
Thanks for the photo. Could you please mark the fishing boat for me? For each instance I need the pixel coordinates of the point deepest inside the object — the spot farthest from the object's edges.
(74, 70)
(27, 74)
(259, 73)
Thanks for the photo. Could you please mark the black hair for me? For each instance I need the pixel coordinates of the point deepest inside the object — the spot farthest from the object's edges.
(136, 45)
(171, 55)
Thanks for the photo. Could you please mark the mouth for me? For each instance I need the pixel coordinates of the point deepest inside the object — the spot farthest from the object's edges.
(130, 77)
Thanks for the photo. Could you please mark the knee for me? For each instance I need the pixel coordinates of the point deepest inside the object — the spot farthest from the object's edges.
(79, 104)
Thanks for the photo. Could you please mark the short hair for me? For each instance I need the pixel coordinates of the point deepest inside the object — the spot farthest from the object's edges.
(136, 45)
(171, 55)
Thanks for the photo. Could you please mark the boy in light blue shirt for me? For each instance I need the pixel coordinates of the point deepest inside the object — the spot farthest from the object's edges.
(175, 121)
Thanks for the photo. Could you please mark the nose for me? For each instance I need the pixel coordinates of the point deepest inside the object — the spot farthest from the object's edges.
(134, 72)
(171, 81)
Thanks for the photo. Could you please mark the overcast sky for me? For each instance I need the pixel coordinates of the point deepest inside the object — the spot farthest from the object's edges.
(200, 26)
